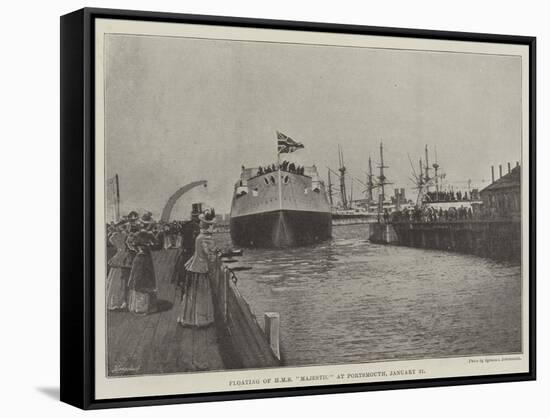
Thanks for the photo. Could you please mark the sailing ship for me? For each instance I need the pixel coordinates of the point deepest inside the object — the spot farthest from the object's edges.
(368, 209)
(432, 192)
(281, 205)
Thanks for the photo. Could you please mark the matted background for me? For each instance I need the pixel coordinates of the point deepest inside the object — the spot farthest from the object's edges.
(29, 169)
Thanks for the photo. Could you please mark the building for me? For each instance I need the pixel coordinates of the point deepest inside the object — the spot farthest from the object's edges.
(502, 198)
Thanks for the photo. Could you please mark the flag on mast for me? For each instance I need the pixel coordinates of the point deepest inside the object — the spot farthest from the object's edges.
(286, 144)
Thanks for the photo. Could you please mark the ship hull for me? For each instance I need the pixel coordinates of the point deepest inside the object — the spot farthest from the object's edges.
(280, 228)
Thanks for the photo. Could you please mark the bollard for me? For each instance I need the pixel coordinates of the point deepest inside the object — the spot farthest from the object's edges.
(271, 328)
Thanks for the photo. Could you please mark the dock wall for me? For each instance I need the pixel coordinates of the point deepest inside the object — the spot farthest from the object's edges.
(497, 239)
(249, 345)
(381, 233)
(352, 220)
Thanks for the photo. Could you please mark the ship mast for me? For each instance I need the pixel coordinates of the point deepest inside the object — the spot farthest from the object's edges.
(117, 199)
(370, 183)
(436, 167)
(279, 179)
(342, 170)
(382, 179)
(329, 189)
(427, 169)
(419, 197)
(351, 195)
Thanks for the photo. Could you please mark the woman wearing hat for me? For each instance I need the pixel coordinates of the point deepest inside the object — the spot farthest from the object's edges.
(119, 269)
(142, 283)
(197, 307)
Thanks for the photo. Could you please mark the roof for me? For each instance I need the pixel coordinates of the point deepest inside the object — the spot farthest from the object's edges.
(510, 180)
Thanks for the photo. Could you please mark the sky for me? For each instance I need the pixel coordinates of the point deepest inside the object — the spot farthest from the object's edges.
(180, 110)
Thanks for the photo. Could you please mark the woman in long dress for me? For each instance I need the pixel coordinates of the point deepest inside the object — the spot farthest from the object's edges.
(197, 307)
(142, 282)
(119, 271)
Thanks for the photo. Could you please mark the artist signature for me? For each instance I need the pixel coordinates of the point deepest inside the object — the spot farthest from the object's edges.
(124, 369)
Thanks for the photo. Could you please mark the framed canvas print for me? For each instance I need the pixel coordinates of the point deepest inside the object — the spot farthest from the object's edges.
(258, 208)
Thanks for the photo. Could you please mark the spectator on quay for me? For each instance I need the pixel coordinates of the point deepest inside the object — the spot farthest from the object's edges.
(142, 281)
(197, 307)
(119, 269)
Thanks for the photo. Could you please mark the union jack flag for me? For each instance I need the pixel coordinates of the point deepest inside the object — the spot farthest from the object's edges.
(286, 144)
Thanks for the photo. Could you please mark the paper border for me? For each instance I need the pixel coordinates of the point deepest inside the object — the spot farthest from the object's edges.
(235, 380)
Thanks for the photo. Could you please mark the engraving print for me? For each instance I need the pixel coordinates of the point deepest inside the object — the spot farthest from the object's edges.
(276, 204)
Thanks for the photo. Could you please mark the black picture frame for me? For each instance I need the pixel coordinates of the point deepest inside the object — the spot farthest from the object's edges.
(77, 205)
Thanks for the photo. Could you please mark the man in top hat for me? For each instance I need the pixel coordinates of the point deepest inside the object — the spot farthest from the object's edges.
(133, 216)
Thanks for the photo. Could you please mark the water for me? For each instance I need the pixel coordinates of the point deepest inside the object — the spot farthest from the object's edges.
(348, 300)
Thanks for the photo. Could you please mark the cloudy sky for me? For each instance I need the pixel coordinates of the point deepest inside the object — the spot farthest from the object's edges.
(179, 110)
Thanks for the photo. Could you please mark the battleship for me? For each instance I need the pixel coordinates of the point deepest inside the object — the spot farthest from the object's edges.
(281, 205)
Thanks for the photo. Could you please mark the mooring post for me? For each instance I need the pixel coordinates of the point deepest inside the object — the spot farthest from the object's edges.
(271, 327)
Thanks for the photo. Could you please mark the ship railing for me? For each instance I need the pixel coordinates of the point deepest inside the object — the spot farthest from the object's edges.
(272, 172)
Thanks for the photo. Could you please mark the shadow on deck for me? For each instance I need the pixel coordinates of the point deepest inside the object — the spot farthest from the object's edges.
(155, 343)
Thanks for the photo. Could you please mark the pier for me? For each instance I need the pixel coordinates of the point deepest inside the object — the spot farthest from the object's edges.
(497, 239)
(156, 344)
(353, 218)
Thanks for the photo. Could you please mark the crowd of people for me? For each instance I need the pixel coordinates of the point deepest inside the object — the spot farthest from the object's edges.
(131, 283)
(168, 235)
(131, 280)
(285, 166)
(430, 214)
(448, 196)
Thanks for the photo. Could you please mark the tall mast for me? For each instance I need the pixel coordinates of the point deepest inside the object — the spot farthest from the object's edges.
(427, 175)
(436, 167)
(370, 183)
(351, 195)
(382, 178)
(329, 188)
(342, 170)
(117, 201)
(279, 180)
(420, 184)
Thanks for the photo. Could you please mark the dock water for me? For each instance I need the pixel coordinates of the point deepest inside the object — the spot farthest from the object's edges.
(156, 344)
